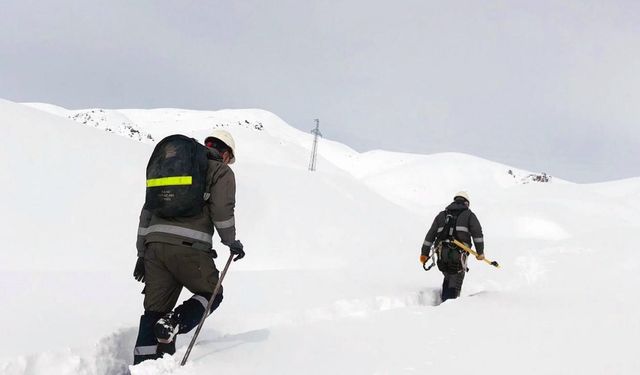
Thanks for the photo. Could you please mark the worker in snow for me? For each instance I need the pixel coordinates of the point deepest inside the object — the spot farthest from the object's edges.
(455, 222)
(175, 236)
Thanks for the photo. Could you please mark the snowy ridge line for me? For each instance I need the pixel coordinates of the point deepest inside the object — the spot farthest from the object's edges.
(151, 125)
(108, 120)
(119, 122)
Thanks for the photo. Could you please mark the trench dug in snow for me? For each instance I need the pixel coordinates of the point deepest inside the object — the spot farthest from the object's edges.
(113, 353)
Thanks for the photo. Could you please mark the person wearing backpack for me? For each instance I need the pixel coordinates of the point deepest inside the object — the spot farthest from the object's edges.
(190, 192)
(457, 221)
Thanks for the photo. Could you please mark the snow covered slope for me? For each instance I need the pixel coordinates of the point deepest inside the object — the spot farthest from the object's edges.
(331, 282)
(105, 119)
(406, 179)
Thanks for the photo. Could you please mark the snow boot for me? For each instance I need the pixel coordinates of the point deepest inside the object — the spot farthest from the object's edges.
(166, 328)
(169, 348)
(146, 343)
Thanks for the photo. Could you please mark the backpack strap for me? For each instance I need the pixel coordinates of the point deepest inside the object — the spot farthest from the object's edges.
(448, 232)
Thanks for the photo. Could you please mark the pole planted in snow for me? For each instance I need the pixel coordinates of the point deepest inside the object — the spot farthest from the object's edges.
(206, 311)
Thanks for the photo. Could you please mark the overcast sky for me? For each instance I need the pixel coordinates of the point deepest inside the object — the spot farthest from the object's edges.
(549, 86)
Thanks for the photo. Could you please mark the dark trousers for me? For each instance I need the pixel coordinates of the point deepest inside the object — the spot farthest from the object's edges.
(452, 285)
(169, 268)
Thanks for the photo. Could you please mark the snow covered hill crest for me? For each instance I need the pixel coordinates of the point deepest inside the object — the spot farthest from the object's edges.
(149, 126)
(331, 282)
(108, 120)
(118, 122)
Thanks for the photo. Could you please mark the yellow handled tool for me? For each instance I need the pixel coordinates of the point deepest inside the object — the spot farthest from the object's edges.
(468, 250)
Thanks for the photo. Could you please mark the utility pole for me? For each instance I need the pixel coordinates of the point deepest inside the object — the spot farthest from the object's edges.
(314, 151)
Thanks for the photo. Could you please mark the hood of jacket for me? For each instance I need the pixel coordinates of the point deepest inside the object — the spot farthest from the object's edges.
(457, 207)
(214, 154)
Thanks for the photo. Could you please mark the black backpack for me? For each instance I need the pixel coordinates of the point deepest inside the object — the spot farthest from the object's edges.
(451, 259)
(177, 177)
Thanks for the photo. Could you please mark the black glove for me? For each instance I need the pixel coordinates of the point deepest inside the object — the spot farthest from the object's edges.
(236, 249)
(138, 272)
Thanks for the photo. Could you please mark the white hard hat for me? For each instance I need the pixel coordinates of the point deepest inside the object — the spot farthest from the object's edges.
(462, 194)
(225, 137)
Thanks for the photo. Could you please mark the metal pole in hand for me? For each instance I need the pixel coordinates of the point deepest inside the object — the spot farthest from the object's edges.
(468, 250)
(206, 312)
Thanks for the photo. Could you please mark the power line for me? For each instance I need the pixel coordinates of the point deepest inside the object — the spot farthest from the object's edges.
(314, 151)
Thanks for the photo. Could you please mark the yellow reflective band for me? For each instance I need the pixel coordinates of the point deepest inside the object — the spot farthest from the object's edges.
(169, 181)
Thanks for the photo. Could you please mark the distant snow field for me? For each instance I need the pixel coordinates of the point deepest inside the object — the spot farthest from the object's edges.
(331, 283)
